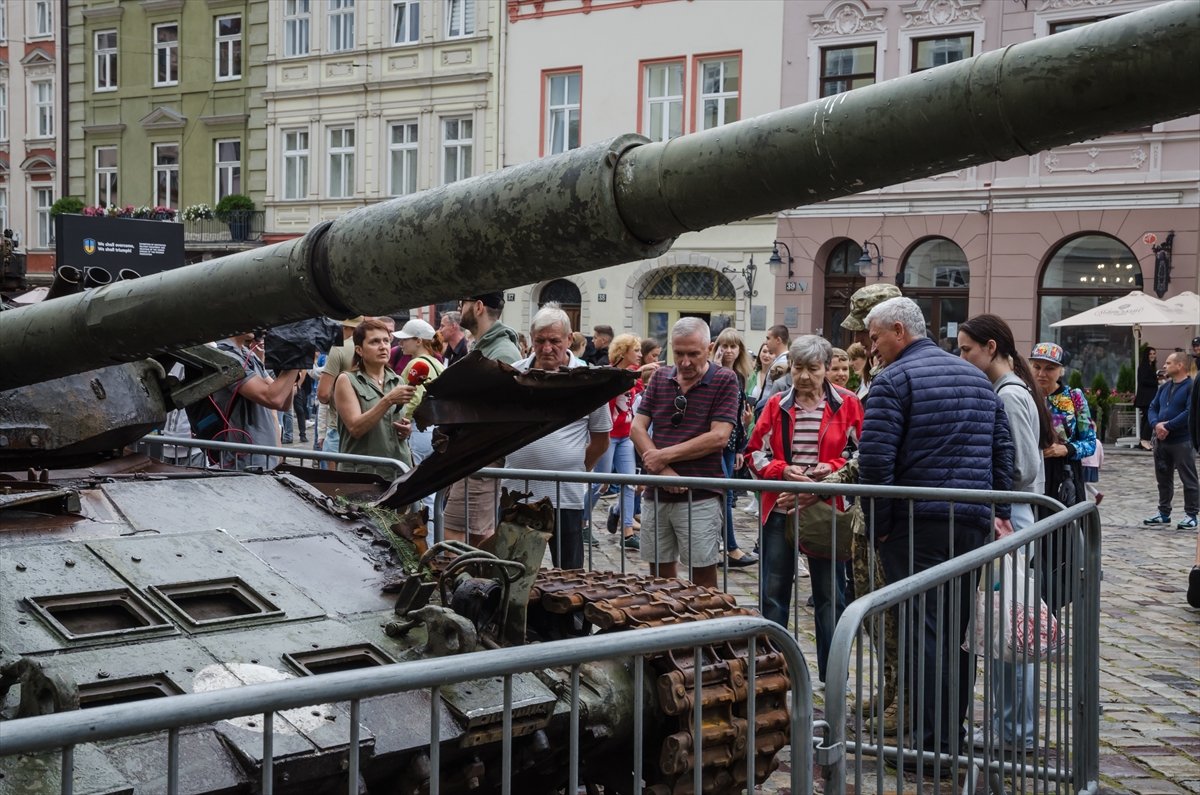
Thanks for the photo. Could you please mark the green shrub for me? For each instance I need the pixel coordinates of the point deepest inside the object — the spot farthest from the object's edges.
(233, 203)
(1125, 379)
(1075, 380)
(67, 204)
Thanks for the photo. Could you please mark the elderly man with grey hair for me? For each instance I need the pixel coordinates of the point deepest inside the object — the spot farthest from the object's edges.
(573, 448)
(932, 419)
(682, 426)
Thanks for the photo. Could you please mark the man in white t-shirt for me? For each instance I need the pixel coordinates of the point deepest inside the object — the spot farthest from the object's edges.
(573, 448)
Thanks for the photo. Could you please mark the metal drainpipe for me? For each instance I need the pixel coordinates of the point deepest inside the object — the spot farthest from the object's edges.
(61, 148)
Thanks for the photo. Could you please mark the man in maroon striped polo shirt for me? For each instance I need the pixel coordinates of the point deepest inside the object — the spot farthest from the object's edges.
(682, 425)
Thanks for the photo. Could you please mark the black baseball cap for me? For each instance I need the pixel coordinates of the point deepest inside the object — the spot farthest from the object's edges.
(1195, 341)
(493, 300)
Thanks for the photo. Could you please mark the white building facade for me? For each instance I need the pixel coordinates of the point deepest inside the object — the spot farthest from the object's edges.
(576, 72)
(372, 99)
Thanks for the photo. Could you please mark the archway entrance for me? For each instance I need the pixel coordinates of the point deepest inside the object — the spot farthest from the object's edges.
(566, 293)
(841, 281)
(687, 292)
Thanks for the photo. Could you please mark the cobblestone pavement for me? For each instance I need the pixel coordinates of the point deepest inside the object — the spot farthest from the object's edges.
(1149, 637)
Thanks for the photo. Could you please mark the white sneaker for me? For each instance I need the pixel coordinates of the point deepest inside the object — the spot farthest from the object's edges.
(980, 742)
(801, 567)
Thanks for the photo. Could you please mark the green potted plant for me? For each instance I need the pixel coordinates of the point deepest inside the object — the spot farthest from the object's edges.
(235, 210)
(67, 204)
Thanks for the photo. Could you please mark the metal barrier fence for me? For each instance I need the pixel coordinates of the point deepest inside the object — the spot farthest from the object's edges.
(1057, 687)
(65, 731)
(1035, 702)
(156, 441)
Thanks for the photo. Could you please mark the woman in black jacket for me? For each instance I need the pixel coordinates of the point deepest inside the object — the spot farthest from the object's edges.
(1147, 385)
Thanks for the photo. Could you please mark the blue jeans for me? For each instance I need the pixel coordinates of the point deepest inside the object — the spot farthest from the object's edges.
(778, 563)
(421, 445)
(728, 457)
(617, 458)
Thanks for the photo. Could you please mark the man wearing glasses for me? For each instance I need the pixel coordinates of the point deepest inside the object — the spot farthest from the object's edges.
(682, 425)
(481, 317)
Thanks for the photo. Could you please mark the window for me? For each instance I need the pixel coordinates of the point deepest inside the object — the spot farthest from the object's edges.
(106, 176)
(663, 100)
(42, 107)
(846, 68)
(406, 21)
(3, 208)
(1060, 27)
(341, 25)
(43, 18)
(460, 18)
(43, 200)
(229, 47)
(1083, 273)
(295, 27)
(937, 276)
(3, 111)
(166, 175)
(719, 82)
(229, 168)
(456, 149)
(166, 54)
(3, 20)
(928, 53)
(105, 46)
(402, 147)
(562, 112)
(341, 162)
(295, 164)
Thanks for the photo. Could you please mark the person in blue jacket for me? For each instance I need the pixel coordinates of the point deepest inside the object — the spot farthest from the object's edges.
(933, 420)
(1172, 446)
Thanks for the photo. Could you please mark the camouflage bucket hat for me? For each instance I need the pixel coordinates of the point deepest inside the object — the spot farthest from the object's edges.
(866, 299)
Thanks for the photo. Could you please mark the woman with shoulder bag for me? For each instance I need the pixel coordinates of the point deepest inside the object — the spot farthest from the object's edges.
(801, 437)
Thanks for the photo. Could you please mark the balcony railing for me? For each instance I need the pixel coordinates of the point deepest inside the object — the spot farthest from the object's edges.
(244, 227)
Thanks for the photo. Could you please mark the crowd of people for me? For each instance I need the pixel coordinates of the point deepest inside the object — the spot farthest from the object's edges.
(893, 409)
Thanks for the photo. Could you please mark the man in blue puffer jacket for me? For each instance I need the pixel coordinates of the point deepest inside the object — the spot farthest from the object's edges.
(932, 420)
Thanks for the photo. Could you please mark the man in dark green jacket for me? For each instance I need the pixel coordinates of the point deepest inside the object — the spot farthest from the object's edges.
(481, 317)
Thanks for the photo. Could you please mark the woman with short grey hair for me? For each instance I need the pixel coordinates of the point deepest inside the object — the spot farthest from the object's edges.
(801, 437)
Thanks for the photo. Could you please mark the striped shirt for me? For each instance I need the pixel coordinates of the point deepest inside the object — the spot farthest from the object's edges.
(713, 399)
(806, 434)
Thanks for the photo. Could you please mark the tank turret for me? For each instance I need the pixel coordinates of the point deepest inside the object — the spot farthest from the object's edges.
(628, 198)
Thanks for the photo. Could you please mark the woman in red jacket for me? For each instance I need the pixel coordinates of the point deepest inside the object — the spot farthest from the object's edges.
(802, 436)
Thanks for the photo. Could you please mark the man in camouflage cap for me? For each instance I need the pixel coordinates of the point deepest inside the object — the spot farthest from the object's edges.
(864, 300)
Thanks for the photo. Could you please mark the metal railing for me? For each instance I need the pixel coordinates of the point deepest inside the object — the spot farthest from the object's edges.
(159, 441)
(1036, 703)
(242, 227)
(64, 731)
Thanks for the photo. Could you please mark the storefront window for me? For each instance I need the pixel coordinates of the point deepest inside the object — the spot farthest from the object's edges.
(936, 275)
(1081, 274)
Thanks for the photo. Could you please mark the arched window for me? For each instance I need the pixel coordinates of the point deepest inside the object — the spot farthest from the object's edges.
(1081, 274)
(936, 275)
(566, 293)
(690, 283)
(843, 260)
(673, 293)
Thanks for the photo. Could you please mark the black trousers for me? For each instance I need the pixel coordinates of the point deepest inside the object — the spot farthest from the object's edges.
(934, 661)
(566, 545)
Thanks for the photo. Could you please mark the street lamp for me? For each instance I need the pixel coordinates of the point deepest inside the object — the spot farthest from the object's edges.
(775, 263)
(866, 261)
(748, 273)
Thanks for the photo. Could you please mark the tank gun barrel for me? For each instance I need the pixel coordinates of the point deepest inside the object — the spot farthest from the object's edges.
(628, 198)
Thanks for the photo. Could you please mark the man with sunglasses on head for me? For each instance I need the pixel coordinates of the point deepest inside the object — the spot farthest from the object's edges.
(682, 425)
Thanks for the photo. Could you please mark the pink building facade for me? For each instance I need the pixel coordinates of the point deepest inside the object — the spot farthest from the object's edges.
(1033, 239)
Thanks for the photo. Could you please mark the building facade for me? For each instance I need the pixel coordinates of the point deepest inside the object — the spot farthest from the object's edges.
(1034, 239)
(581, 71)
(31, 127)
(166, 106)
(368, 101)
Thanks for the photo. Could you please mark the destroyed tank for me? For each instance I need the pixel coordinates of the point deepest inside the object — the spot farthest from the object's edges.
(125, 579)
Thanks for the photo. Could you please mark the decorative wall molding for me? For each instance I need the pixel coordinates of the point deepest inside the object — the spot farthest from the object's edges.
(154, 6)
(163, 119)
(847, 18)
(1095, 159)
(936, 13)
(1051, 5)
(103, 129)
(225, 119)
(103, 13)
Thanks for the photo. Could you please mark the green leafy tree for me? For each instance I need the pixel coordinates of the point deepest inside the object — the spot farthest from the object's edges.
(67, 204)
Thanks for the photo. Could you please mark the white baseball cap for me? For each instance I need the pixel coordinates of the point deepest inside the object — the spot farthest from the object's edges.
(415, 329)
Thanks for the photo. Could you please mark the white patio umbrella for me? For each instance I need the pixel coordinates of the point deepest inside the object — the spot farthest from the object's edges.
(1189, 302)
(1134, 310)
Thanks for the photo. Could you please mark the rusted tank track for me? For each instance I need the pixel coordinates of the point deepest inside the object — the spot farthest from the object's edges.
(613, 602)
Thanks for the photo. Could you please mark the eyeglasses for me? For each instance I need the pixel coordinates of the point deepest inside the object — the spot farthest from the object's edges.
(680, 408)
